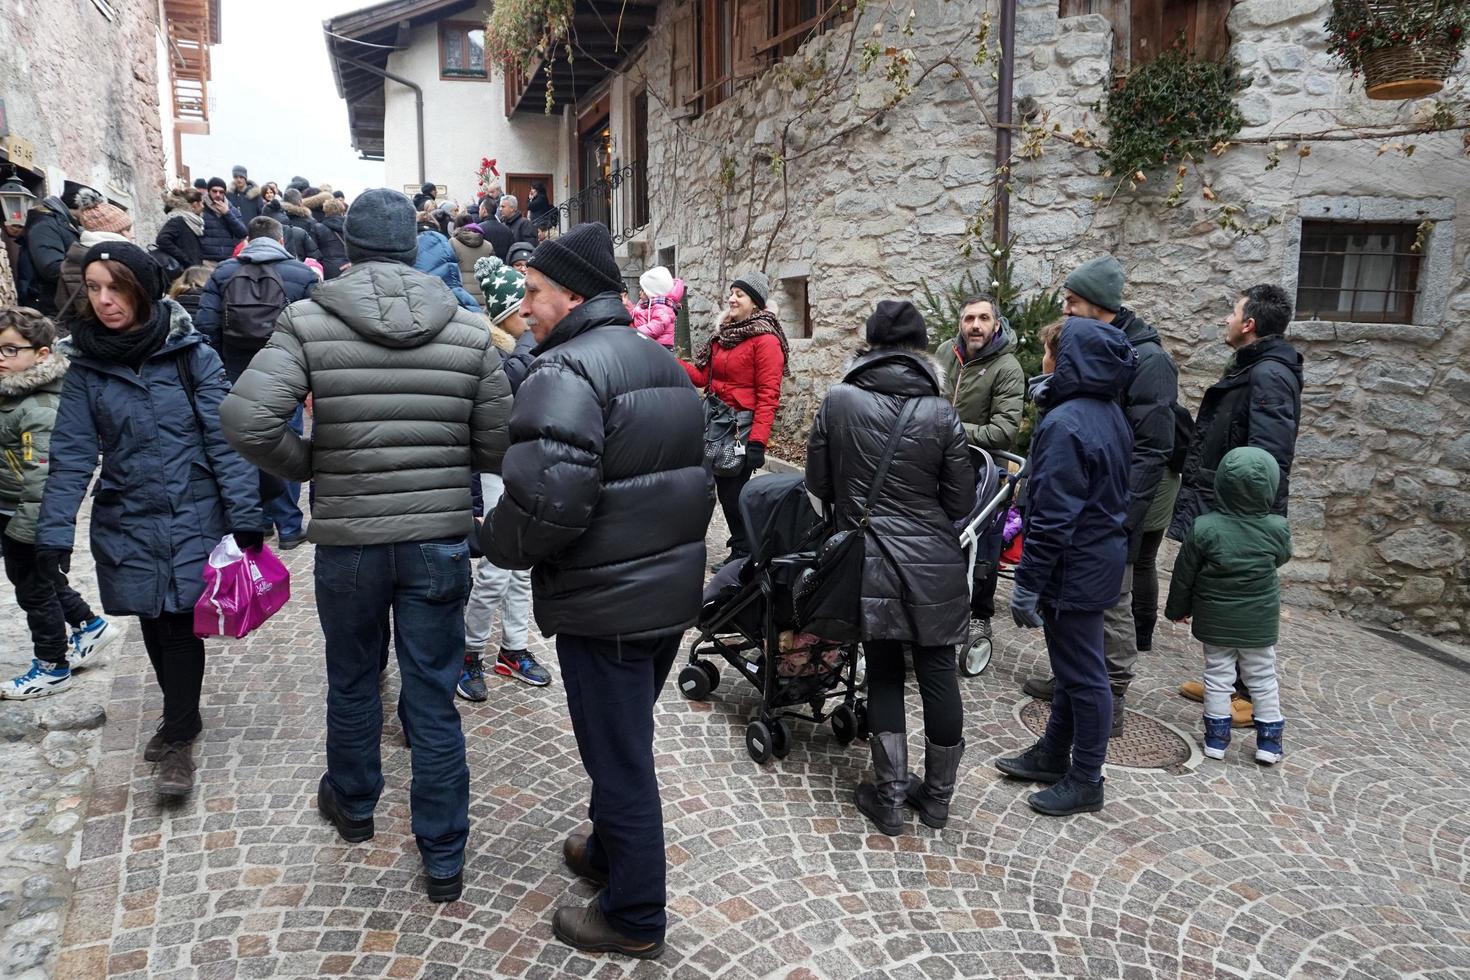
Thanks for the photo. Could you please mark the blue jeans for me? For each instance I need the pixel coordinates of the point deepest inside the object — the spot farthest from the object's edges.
(425, 584)
(284, 512)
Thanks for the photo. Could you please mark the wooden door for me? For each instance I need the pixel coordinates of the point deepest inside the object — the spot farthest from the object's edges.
(520, 186)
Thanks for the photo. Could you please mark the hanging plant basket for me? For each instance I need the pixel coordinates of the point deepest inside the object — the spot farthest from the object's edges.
(1405, 49)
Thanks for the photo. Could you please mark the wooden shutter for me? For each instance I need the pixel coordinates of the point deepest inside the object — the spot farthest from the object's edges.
(1158, 25)
(685, 42)
(752, 28)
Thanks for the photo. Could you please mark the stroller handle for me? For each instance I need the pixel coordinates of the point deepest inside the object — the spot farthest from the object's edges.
(1020, 461)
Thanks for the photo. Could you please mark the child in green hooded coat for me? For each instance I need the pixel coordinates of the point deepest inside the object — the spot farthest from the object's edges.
(1225, 584)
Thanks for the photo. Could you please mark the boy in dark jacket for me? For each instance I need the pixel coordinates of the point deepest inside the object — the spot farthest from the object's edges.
(1225, 580)
(1076, 549)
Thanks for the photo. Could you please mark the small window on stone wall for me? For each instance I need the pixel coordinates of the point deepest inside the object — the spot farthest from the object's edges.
(1142, 29)
(793, 308)
(1357, 271)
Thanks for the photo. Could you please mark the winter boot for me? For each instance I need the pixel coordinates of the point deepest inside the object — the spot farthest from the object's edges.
(1217, 737)
(1071, 795)
(930, 796)
(1040, 688)
(1038, 764)
(1268, 742)
(881, 801)
(1120, 718)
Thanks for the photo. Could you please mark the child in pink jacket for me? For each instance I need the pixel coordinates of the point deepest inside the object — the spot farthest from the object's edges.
(659, 296)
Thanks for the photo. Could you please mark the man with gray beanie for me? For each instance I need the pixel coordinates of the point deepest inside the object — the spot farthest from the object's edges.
(408, 398)
(244, 195)
(1095, 290)
(606, 501)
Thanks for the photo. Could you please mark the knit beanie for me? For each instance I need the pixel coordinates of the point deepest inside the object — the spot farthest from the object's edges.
(1099, 281)
(897, 323)
(300, 183)
(503, 287)
(216, 182)
(96, 214)
(755, 285)
(581, 260)
(137, 261)
(334, 206)
(518, 252)
(657, 281)
(380, 224)
(428, 190)
(238, 170)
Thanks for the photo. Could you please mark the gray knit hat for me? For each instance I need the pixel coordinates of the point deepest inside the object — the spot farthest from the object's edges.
(755, 285)
(380, 224)
(238, 170)
(1099, 281)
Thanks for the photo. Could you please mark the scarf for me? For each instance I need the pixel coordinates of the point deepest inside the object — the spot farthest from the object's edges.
(733, 333)
(194, 221)
(129, 349)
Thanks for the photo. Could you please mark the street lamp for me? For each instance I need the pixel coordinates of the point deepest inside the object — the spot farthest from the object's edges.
(16, 199)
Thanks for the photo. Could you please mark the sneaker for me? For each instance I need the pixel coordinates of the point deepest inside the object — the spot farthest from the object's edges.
(1036, 764)
(1268, 742)
(1217, 737)
(40, 681)
(1070, 795)
(286, 542)
(471, 685)
(88, 640)
(520, 664)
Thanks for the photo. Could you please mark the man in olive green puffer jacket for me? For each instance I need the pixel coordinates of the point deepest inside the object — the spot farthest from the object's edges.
(1225, 584)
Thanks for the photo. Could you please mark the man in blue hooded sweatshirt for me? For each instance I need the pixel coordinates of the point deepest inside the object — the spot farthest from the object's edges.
(1076, 548)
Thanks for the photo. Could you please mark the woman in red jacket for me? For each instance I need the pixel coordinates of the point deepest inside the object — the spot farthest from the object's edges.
(741, 367)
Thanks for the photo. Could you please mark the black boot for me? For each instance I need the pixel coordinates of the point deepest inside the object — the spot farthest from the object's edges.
(1071, 795)
(1037, 764)
(1120, 718)
(930, 796)
(881, 801)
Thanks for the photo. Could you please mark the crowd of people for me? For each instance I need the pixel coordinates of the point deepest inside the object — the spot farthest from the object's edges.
(479, 385)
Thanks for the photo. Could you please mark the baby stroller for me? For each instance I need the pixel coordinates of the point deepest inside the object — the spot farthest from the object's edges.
(981, 534)
(749, 619)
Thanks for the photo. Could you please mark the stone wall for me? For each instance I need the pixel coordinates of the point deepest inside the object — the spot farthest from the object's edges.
(1381, 491)
(84, 91)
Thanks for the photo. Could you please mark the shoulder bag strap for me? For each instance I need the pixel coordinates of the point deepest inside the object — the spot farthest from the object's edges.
(886, 460)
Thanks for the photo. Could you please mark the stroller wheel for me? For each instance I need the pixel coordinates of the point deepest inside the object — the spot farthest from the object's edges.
(844, 725)
(713, 672)
(976, 658)
(694, 682)
(780, 739)
(758, 741)
(860, 717)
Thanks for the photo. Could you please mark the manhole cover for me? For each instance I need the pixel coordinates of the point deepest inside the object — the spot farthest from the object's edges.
(1144, 744)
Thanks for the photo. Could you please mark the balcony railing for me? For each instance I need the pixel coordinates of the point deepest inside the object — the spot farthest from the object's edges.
(620, 201)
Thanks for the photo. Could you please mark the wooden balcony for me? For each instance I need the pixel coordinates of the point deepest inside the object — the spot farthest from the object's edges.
(191, 26)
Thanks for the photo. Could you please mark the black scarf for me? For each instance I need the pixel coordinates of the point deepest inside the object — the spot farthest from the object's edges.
(130, 348)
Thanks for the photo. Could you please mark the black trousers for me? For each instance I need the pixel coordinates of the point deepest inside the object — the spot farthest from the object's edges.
(728, 489)
(982, 596)
(177, 656)
(1146, 588)
(939, 690)
(612, 685)
(49, 610)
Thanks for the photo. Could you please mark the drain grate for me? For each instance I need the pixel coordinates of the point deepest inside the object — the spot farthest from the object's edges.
(1144, 744)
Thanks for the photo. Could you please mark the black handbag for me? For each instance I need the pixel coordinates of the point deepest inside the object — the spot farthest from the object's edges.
(828, 596)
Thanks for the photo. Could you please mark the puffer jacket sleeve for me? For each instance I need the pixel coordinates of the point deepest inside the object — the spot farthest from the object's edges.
(74, 449)
(239, 484)
(1055, 495)
(818, 466)
(1272, 422)
(1181, 584)
(257, 412)
(232, 221)
(47, 243)
(699, 377)
(552, 470)
(956, 473)
(490, 417)
(36, 423)
(167, 240)
(518, 363)
(1150, 410)
(1007, 399)
(769, 363)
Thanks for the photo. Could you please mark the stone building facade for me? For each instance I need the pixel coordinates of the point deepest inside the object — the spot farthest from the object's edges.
(1381, 491)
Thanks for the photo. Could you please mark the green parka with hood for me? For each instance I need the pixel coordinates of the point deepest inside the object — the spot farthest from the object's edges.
(987, 389)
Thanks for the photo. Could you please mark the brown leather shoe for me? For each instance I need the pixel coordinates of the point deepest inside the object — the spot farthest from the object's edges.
(574, 853)
(175, 770)
(153, 751)
(1242, 712)
(587, 929)
(1193, 690)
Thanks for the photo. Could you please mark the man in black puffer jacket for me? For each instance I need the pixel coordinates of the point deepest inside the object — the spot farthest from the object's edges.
(606, 501)
(1095, 290)
(223, 228)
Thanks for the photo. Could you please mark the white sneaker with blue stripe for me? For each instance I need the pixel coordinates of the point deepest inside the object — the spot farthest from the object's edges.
(38, 682)
(88, 640)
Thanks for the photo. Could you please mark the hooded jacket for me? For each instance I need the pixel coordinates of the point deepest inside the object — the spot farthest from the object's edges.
(222, 232)
(247, 202)
(28, 401)
(296, 278)
(469, 247)
(606, 495)
(170, 485)
(302, 240)
(1077, 494)
(988, 391)
(656, 316)
(436, 257)
(331, 241)
(1225, 575)
(408, 396)
(915, 576)
(50, 231)
(1258, 402)
(1148, 403)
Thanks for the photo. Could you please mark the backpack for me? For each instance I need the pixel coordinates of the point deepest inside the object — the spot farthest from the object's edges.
(253, 298)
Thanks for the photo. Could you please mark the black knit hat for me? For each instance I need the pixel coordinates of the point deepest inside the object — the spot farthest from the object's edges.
(581, 260)
(897, 323)
(137, 261)
(300, 183)
(216, 182)
(380, 224)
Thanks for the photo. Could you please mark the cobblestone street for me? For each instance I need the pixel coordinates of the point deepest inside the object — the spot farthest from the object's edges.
(1350, 859)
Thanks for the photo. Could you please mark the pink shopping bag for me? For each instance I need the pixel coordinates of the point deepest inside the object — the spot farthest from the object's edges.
(242, 589)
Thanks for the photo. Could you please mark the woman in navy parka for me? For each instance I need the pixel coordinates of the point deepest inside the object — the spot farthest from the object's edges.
(170, 487)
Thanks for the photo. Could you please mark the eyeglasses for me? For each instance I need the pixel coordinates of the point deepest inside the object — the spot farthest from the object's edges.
(10, 350)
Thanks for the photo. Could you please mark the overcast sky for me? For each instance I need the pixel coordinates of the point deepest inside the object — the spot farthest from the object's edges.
(273, 105)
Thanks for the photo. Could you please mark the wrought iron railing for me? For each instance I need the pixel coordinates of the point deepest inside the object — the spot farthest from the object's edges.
(619, 201)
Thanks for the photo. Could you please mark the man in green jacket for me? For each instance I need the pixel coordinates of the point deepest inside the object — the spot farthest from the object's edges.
(986, 385)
